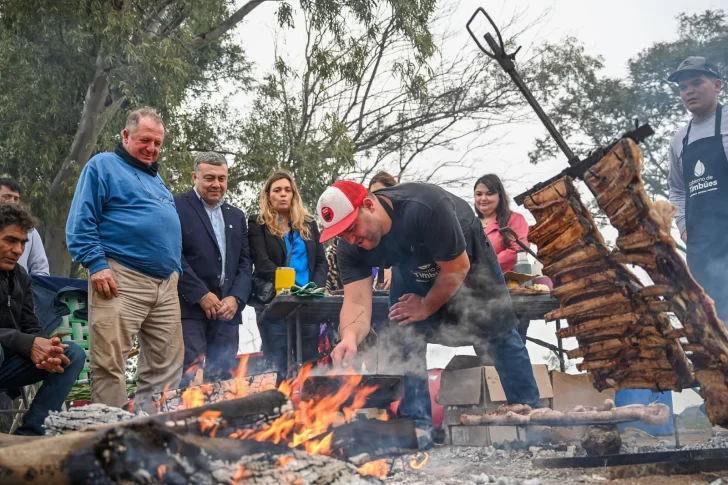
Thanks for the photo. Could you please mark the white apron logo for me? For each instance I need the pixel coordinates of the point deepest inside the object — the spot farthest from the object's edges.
(699, 169)
(426, 273)
(702, 183)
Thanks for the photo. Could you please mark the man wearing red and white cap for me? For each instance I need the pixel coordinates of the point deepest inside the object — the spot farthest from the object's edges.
(449, 287)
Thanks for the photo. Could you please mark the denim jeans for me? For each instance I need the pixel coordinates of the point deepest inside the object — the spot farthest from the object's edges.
(217, 341)
(274, 336)
(512, 361)
(19, 371)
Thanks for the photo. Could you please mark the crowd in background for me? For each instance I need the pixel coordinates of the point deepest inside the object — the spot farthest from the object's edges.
(175, 272)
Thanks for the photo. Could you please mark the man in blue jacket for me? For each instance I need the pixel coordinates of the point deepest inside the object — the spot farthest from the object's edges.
(216, 270)
(123, 227)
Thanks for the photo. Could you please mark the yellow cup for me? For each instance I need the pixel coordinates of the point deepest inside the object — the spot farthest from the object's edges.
(285, 278)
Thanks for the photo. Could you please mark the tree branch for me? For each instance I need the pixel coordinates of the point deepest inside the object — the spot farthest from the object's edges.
(89, 127)
(211, 36)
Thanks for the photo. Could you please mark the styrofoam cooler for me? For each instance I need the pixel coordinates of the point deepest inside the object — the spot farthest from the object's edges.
(646, 396)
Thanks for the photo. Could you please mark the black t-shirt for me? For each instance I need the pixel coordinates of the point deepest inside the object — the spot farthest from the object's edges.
(430, 224)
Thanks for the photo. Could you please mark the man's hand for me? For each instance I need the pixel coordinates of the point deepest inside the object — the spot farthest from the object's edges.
(409, 309)
(228, 308)
(684, 237)
(211, 304)
(104, 284)
(343, 353)
(47, 354)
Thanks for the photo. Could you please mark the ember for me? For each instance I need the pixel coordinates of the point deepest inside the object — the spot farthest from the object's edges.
(161, 471)
(418, 465)
(379, 469)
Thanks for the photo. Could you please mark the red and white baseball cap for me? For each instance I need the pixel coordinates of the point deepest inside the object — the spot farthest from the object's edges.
(338, 206)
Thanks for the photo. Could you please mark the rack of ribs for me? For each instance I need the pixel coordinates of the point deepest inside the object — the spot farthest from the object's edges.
(644, 240)
(624, 341)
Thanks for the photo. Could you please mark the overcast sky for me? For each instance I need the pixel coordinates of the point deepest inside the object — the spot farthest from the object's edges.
(617, 30)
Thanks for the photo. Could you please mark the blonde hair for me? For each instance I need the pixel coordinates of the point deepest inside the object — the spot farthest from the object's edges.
(269, 216)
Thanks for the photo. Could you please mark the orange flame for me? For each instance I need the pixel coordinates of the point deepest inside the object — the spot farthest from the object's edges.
(378, 468)
(414, 464)
(161, 471)
(285, 460)
(312, 418)
(192, 397)
(240, 473)
(209, 420)
(163, 399)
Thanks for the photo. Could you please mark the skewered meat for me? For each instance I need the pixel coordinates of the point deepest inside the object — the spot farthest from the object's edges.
(606, 412)
(608, 310)
(644, 240)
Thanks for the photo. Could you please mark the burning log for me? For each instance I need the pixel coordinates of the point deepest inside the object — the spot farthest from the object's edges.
(367, 440)
(151, 453)
(644, 240)
(196, 396)
(252, 412)
(616, 320)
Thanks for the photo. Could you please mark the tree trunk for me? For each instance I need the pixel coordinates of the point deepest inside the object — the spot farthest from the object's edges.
(59, 259)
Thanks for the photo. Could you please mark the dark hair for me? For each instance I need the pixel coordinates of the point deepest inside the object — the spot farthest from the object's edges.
(494, 184)
(16, 215)
(11, 184)
(383, 178)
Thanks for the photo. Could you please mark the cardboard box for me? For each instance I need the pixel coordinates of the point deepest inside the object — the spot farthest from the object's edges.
(477, 391)
(572, 390)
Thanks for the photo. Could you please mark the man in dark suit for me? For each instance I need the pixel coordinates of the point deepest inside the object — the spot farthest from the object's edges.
(216, 270)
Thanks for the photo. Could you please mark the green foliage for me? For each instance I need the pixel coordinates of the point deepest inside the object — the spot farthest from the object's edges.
(58, 58)
(591, 110)
(51, 51)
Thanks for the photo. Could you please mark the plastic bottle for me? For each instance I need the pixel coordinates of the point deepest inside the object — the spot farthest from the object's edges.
(522, 265)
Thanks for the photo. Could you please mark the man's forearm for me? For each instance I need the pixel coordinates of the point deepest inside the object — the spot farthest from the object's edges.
(355, 321)
(445, 286)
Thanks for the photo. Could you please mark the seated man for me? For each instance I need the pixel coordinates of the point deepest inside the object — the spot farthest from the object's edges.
(26, 356)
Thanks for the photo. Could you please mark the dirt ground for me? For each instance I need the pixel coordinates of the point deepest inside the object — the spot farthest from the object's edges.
(486, 465)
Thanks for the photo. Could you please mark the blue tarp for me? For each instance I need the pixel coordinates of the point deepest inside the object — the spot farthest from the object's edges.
(49, 307)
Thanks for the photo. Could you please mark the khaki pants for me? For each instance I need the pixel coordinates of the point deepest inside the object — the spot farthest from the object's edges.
(145, 306)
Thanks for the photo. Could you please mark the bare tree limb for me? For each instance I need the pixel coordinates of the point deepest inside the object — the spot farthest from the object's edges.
(201, 40)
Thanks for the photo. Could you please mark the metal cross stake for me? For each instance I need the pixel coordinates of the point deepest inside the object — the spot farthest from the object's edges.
(577, 167)
(498, 53)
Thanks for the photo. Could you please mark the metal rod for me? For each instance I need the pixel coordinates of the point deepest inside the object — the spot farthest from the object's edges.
(675, 431)
(560, 343)
(289, 345)
(509, 67)
(299, 342)
(511, 233)
(543, 344)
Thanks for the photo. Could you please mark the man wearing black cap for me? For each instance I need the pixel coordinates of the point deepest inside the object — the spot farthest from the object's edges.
(699, 178)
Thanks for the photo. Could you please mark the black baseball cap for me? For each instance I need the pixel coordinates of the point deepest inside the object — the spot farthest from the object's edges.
(695, 64)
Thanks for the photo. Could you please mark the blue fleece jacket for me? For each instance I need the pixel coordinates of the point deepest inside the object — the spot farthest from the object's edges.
(124, 213)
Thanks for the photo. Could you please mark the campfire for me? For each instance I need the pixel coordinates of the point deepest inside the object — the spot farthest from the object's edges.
(239, 431)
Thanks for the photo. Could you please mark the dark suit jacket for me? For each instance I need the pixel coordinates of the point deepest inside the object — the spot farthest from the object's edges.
(201, 258)
(269, 252)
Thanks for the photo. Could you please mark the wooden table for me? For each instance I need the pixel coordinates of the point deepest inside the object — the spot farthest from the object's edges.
(326, 309)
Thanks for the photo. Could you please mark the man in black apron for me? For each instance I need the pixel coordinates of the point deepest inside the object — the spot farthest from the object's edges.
(699, 178)
(447, 287)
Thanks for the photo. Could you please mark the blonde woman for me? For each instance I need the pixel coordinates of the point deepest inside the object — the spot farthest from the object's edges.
(284, 227)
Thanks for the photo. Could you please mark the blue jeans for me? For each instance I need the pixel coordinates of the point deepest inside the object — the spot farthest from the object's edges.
(512, 361)
(274, 336)
(217, 341)
(19, 371)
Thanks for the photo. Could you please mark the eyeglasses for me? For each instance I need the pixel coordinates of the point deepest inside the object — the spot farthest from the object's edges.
(166, 199)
